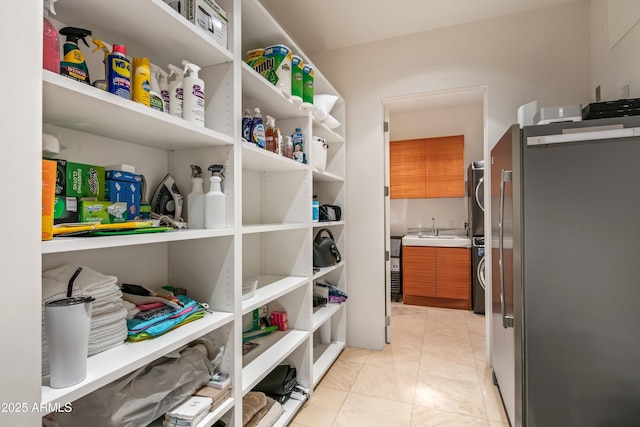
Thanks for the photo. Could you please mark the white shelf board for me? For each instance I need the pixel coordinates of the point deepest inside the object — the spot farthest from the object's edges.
(327, 224)
(259, 92)
(273, 349)
(323, 357)
(324, 176)
(291, 408)
(268, 228)
(112, 364)
(325, 270)
(323, 314)
(74, 105)
(214, 416)
(271, 288)
(261, 160)
(144, 21)
(331, 136)
(68, 244)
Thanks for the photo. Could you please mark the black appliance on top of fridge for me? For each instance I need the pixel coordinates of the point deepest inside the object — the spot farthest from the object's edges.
(475, 194)
(565, 209)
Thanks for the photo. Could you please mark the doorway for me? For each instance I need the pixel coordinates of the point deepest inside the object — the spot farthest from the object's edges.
(433, 114)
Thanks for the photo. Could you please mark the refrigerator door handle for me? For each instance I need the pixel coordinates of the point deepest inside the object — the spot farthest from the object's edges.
(478, 201)
(507, 320)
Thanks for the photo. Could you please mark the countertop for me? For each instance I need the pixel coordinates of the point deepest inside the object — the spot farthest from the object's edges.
(442, 240)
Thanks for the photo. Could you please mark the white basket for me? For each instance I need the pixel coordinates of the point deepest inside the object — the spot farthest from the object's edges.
(249, 287)
(319, 153)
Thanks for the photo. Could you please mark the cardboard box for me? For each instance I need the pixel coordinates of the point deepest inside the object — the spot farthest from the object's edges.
(124, 187)
(61, 177)
(65, 209)
(48, 197)
(102, 211)
(209, 16)
(84, 180)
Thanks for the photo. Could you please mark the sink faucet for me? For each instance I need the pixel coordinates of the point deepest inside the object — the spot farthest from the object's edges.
(434, 230)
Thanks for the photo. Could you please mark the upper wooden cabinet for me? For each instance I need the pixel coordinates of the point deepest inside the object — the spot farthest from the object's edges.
(428, 167)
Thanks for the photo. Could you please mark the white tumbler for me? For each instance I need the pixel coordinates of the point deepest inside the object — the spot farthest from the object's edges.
(325, 332)
(67, 325)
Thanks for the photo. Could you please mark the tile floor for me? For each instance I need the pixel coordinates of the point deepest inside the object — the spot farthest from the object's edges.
(432, 374)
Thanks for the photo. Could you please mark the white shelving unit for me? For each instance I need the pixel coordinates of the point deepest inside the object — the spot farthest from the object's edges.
(269, 233)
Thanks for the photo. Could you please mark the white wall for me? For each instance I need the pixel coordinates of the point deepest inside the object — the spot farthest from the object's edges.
(465, 120)
(541, 55)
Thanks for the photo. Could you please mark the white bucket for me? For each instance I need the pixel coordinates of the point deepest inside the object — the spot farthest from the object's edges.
(319, 150)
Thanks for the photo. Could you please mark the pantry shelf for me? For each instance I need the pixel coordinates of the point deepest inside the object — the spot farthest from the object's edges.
(324, 176)
(259, 92)
(69, 244)
(110, 365)
(261, 160)
(270, 288)
(98, 112)
(323, 357)
(323, 314)
(272, 350)
(142, 21)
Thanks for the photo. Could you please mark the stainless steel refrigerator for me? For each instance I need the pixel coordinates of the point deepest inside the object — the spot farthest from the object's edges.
(565, 247)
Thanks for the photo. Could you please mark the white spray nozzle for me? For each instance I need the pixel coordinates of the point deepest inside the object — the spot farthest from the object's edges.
(159, 73)
(48, 7)
(190, 68)
(175, 70)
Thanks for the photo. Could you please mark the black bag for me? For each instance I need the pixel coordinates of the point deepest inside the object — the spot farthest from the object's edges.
(330, 213)
(279, 383)
(325, 251)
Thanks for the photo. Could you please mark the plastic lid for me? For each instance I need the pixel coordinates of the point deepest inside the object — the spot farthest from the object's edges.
(120, 49)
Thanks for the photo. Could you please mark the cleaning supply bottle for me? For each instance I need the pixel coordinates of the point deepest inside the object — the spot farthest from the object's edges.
(119, 72)
(107, 49)
(175, 91)
(246, 125)
(288, 148)
(257, 128)
(214, 200)
(193, 94)
(72, 64)
(195, 199)
(155, 96)
(270, 137)
(279, 142)
(163, 83)
(50, 41)
(298, 146)
(141, 81)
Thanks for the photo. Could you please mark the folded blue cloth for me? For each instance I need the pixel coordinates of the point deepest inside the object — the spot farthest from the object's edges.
(165, 321)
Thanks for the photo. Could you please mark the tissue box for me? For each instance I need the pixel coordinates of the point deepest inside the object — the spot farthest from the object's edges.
(125, 187)
(102, 211)
(209, 16)
(84, 180)
(48, 196)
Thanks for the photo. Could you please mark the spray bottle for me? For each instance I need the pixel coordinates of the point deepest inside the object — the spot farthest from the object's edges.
(193, 94)
(214, 200)
(155, 97)
(175, 91)
(195, 199)
(119, 72)
(141, 81)
(50, 41)
(72, 64)
(162, 78)
(107, 49)
(270, 135)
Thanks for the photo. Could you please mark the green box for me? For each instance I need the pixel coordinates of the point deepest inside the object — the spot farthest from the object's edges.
(102, 212)
(85, 180)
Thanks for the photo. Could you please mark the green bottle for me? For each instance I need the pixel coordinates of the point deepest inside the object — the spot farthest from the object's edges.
(73, 64)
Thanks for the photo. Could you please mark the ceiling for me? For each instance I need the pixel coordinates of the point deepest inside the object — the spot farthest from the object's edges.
(330, 24)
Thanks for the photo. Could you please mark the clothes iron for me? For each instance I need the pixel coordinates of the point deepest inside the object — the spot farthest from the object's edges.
(167, 199)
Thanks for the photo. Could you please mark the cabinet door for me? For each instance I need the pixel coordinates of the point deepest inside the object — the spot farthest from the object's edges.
(407, 171)
(453, 273)
(419, 271)
(445, 166)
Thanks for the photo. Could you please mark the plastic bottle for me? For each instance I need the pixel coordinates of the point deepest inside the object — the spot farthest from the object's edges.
(72, 64)
(246, 125)
(50, 41)
(193, 94)
(141, 81)
(175, 91)
(279, 142)
(119, 72)
(107, 49)
(214, 200)
(288, 149)
(298, 146)
(163, 84)
(257, 128)
(270, 135)
(195, 199)
(156, 101)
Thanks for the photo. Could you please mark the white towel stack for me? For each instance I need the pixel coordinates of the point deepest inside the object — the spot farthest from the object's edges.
(108, 313)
